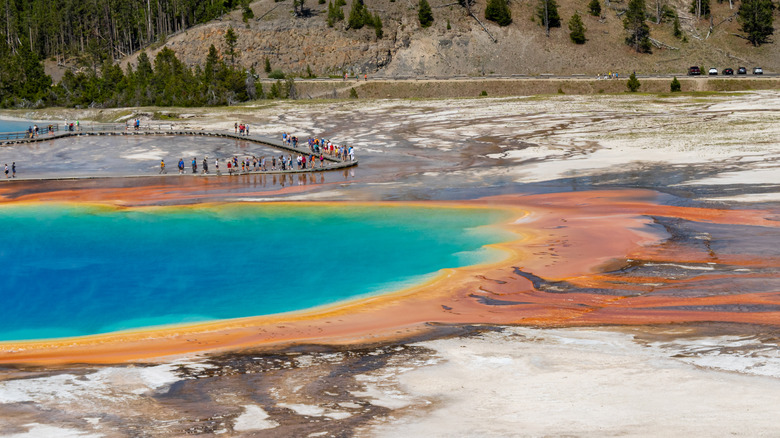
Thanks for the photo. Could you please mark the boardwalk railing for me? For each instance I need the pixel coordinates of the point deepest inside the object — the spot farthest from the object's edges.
(85, 127)
(164, 129)
(42, 130)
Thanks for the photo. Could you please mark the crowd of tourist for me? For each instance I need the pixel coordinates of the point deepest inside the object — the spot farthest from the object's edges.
(322, 146)
(314, 158)
(241, 128)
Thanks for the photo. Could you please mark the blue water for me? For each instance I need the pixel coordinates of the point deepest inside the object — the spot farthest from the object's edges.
(17, 125)
(72, 270)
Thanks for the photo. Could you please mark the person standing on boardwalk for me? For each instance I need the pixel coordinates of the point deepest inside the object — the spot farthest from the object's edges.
(216, 166)
(205, 165)
(235, 127)
(13, 169)
(181, 166)
(6, 170)
(162, 166)
(194, 165)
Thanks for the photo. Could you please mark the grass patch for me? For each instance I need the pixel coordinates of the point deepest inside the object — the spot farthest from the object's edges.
(157, 115)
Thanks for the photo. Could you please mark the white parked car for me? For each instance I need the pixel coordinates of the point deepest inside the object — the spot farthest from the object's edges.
(713, 71)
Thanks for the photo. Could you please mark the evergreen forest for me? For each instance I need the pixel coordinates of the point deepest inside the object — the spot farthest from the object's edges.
(97, 32)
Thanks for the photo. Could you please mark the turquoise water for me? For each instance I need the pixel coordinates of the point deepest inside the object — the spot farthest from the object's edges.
(16, 125)
(72, 270)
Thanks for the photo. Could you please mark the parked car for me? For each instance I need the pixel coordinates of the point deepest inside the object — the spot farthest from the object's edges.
(758, 71)
(742, 71)
(713, 71)
(728, 71)
(694, 71)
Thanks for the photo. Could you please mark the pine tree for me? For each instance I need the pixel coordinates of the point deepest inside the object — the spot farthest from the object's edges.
(634, 23)
(676, 27)
(675, 86)
(357, 15)
(594, 8)
(633, 83)
(498, 11)
(230, 41)
(425, 14)
(756, 20)
(577, 29)
(211, 67)
(335, 14)
(548, 15)
(267, 65)
(378, 27)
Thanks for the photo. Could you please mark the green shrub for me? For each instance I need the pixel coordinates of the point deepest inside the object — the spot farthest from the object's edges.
(425, 14)
(675, 86)
(633, 83)
(498, 11)
(577, 29)
(594, 8)
(276, 74)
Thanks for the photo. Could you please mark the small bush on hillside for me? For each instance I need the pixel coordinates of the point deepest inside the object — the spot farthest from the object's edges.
(353, 93)
(425, 14)
(498, 11)
(276, 74)
(594, 8)
(378, 27)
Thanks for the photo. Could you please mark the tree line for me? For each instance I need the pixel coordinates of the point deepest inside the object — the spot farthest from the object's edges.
(100, 28)
(164, 81)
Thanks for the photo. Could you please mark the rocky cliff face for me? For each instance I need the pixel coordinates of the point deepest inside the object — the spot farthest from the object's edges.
(293, 43)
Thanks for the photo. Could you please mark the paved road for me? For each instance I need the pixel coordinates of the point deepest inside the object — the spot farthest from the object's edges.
(529, 77)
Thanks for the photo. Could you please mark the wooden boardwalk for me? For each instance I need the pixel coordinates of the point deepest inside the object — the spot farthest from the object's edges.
(333, 163)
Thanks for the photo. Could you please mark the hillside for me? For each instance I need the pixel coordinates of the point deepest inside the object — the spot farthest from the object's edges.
(293, 43)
